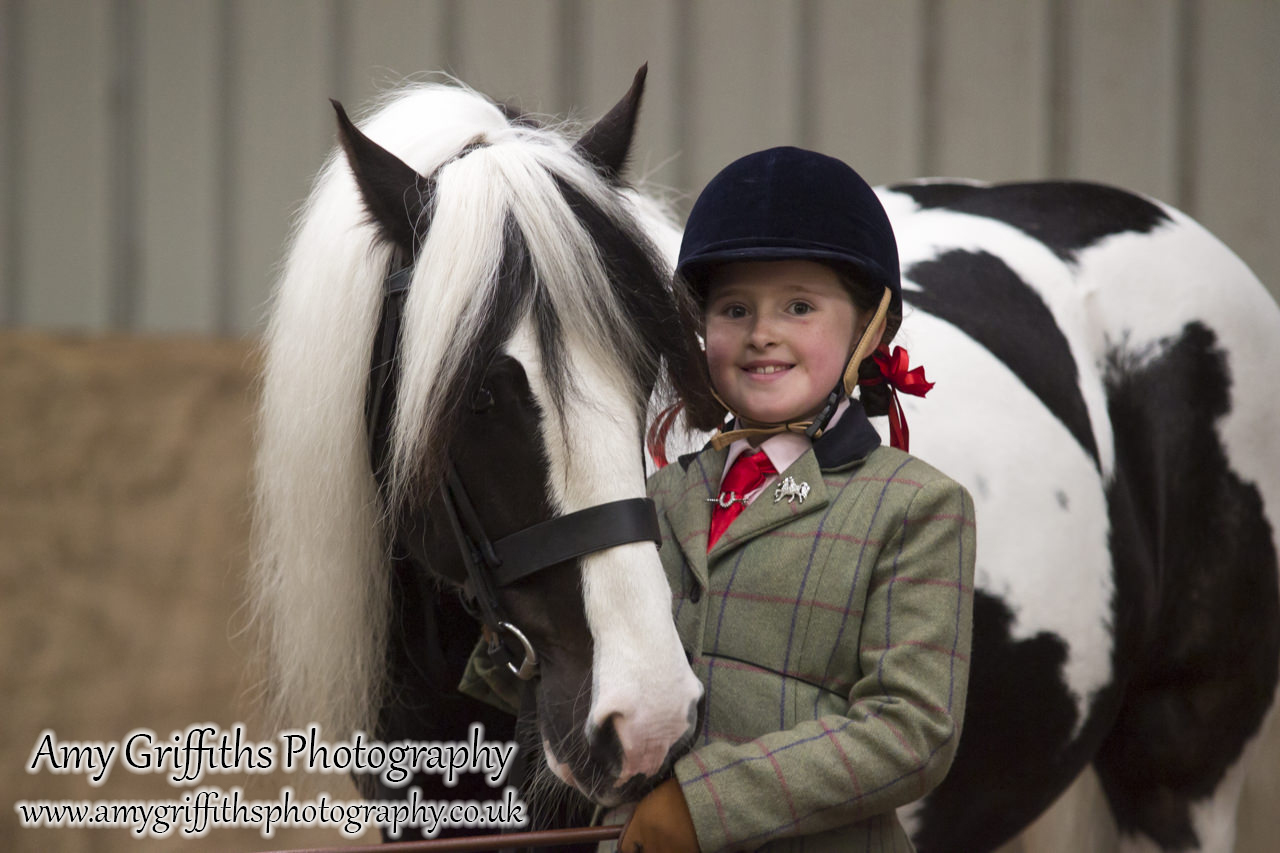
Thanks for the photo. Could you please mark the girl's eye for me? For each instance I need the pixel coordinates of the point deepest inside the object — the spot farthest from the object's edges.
(735, 312)
(801, 308)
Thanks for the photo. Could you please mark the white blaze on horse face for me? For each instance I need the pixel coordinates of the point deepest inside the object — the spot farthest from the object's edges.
(642, 682)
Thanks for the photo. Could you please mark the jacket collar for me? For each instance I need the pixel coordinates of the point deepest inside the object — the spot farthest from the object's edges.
(849, 441)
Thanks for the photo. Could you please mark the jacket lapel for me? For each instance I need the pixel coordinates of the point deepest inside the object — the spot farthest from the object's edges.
(690, 513)
(766, 513)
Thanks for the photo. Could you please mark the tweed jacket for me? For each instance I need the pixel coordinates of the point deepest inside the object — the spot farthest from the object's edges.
(832, 637)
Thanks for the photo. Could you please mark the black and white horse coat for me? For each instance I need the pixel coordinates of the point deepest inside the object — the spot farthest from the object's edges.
(1105, 389)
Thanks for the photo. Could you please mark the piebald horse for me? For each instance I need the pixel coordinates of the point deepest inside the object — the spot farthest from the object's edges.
(1103, 371)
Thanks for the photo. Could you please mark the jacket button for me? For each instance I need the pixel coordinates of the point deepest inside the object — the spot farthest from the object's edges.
(695, 595)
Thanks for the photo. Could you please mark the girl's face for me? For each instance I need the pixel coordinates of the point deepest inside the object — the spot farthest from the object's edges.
(778, 336)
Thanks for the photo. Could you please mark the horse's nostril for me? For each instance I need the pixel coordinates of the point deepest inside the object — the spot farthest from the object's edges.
(604, 743)
(606, 731)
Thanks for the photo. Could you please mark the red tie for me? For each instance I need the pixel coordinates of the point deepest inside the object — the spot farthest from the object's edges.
(749, 472)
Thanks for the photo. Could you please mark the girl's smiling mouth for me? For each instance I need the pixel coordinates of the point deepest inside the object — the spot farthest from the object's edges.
(766, 369)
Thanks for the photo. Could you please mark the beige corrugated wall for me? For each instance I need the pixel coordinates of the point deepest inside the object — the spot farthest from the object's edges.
(152, 152)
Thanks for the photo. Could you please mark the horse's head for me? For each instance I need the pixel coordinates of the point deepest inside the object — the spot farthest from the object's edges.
(534, 324)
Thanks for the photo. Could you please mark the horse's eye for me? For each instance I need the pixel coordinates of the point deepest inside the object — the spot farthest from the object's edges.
(482, 401)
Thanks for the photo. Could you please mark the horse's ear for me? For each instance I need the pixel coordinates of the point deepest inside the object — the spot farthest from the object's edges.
(608, 142)
(394, 194)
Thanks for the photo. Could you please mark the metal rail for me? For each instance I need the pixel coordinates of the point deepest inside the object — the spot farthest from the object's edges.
(541, 838)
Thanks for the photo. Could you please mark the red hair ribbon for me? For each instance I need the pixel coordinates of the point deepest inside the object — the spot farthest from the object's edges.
(895, 367)
(656, 440)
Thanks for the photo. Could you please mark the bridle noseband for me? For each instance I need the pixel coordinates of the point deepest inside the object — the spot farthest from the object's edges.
(491, 564)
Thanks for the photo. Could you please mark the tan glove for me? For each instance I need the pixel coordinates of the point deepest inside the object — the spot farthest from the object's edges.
(660, 824)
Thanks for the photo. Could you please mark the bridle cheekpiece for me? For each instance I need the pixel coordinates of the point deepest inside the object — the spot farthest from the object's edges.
(491, 564)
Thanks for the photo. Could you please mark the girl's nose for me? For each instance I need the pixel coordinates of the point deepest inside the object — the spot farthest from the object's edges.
(764, 331)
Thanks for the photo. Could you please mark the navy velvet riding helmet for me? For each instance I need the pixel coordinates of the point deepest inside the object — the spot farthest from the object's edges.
(789, 203)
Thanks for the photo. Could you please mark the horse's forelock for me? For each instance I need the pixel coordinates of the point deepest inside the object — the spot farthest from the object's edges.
(522, 227)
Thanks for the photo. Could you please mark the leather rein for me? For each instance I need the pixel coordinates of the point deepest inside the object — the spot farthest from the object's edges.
(493, 564)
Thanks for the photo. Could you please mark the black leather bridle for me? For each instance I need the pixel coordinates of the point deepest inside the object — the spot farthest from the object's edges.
(491, 564)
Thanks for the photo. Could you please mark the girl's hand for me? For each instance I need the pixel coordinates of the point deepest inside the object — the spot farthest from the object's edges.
(660, 824)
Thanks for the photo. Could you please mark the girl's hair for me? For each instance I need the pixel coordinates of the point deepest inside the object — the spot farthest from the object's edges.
(866, 297)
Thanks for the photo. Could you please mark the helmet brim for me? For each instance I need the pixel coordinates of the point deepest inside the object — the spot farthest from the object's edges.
(697, 269)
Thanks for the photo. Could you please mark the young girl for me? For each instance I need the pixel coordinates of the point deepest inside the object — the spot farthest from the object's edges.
(822, 583)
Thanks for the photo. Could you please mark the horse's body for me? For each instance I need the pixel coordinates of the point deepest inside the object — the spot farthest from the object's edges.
(1104, 389)
(1105, 375)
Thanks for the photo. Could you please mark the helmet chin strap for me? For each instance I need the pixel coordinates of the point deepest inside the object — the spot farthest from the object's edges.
(867, 343)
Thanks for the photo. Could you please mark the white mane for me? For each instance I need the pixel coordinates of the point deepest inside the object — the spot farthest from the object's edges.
(453, 291)
(320, 583)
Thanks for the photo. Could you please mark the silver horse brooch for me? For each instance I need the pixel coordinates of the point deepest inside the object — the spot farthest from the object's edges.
(791, 490)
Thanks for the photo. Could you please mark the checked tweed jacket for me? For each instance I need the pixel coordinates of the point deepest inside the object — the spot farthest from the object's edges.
(832, 637)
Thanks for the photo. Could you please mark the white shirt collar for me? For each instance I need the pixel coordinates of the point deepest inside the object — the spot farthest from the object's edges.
(782, 449)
